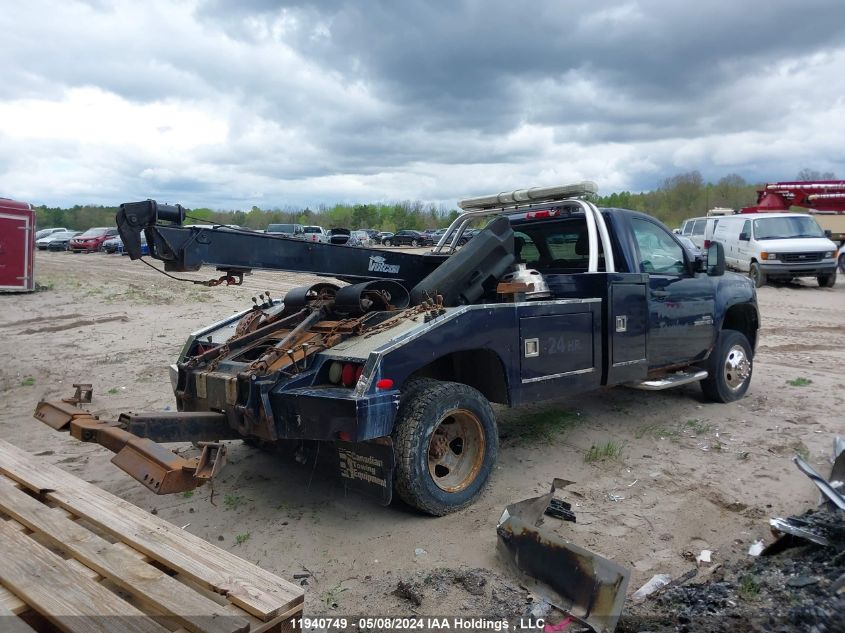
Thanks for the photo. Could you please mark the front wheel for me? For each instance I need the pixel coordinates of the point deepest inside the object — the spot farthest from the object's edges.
(729, 368)
(757, 275)
(388, 243)
(827, 281)
(842, 263)
(446, 443)
(414, 243)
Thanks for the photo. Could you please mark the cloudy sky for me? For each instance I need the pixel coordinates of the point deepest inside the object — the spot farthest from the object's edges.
(275, 103)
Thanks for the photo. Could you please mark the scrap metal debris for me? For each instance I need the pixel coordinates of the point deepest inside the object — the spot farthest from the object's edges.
(577, 581)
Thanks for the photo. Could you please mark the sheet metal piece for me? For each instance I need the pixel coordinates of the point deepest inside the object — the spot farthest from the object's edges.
(587, 586)
(800, 528)
(828, 490)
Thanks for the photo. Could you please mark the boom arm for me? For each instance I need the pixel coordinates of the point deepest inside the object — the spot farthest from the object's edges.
(184, 248)
(822, 195)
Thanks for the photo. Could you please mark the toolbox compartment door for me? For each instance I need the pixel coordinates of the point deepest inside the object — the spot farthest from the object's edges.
(558, 351)
(627, 331)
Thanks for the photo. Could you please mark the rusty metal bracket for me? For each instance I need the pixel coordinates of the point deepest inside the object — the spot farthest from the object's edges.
(59, 415)
(150, 463)
(83, 394)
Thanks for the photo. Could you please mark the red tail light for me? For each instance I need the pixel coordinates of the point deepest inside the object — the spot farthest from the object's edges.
(384, 383)
(706, 243)
(545, 213)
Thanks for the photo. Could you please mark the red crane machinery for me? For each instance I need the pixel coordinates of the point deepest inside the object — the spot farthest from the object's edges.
(825, 200)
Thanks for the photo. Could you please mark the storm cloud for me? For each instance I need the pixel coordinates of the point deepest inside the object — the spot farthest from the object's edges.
(234, 104)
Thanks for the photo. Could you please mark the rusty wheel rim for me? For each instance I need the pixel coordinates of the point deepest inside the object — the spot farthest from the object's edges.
(456, 450)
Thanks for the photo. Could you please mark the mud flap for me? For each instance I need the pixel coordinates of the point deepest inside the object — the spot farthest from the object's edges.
(367, 467)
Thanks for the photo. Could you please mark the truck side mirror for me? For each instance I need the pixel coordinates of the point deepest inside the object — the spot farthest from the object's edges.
(743, 237)
(716, 259)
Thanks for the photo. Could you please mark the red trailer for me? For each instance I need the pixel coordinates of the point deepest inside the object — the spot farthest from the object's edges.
(17, 245)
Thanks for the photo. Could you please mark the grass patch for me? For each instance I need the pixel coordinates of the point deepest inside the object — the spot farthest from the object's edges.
(540, 425)
(187, 494)
(749, 589)
(799, 382)
(233, 502)
(608, 450)
(657, 431)
(29, 381)
(332, 595)
(113, 391)
(699, 427)
(240, 539)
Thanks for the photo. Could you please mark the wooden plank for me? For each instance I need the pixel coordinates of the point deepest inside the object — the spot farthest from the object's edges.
(11, 623)
(11, 602)
(71, 602)
(255, 590)
(147, 583)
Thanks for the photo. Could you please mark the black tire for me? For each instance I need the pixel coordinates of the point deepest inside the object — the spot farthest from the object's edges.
(827, 281)
(414, 243)
(430, 411)
(729, 368)
(842, 263)
(757, 275)
(388, 243)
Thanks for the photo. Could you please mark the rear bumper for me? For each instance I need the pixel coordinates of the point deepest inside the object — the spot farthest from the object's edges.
(329, 413)
(812, 269)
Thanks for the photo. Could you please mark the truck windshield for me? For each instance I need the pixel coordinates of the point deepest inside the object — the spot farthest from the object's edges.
(312, 229)
(786, 228)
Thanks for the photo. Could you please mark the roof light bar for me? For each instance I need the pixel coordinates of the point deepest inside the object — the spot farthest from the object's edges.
(529, 196)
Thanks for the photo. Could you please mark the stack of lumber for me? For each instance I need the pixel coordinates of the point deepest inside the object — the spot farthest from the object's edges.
(76, 558)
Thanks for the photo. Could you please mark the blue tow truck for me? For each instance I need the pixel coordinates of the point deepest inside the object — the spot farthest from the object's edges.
(397, 368)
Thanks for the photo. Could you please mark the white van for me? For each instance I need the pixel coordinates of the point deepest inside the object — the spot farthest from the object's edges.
(700, 230)
(777, 246)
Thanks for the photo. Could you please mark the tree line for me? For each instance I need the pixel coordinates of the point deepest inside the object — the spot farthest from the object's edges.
(678, 197)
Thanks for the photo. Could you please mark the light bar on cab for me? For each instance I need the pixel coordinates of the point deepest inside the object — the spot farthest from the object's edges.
(529, 196)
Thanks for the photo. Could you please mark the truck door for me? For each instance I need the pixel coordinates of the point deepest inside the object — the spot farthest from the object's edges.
(680, 303)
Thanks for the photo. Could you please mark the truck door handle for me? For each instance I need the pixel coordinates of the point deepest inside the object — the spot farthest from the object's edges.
(659, 293)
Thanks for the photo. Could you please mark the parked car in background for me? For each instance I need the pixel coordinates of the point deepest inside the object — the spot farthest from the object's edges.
(60, 241)
(700, 230)
(778, 246)
(371, 234)
(46, 232)
(343, 236)
(408, 238)
(296, 231)
(112, 245)
(91, 240)
(41, 243)
(314, 233)
(361, 238)
(841, 259)
(383, 235)
(145, 250)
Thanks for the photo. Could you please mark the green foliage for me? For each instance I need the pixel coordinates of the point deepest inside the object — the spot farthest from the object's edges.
(678, 197)
(240, 539)
(544, 426)
(749, 589)
(799, 382)
(233, 502)
(29, 381)
(607, 450)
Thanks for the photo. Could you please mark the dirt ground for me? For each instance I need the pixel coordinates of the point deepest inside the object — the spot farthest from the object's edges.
(689, 475)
